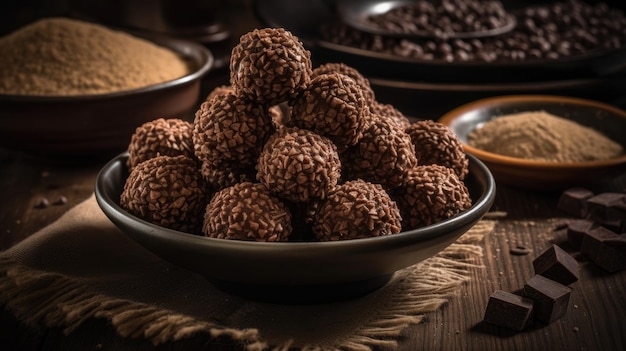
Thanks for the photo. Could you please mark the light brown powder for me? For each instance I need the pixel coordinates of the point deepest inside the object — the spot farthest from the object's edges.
(61, 56)
(538, 135)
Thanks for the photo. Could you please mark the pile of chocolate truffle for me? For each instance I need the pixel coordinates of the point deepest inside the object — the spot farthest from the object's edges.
(286, 152)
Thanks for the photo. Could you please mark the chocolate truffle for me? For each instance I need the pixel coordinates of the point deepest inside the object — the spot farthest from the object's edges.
(278, 114)
(247, 211)
(168, 137)
(391, 113)
(269, 66)
(229, 128)
(220, 90)
(435, 143)
(167, 191)
(298, 164)
(332, 105)
(224, 174)
(356, 209)
(361, 81)
(430, 194)
(383, 155)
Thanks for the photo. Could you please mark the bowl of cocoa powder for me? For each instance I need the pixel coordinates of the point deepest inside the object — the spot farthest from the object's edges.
(543, 142)
(74, 88)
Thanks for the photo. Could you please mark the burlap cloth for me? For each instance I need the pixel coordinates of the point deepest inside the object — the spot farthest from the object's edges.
(82, 267)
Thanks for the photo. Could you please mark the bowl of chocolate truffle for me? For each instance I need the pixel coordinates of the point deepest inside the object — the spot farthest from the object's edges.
(322, 198)
(74, 88)
(543, 142)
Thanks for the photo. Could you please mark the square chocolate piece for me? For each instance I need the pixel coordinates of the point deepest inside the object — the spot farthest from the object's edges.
(558, 265)
(612, 256)
(550, 298)
(591, 245)
(573, 201)
(607, 208)
(575, 231)
(508, 310)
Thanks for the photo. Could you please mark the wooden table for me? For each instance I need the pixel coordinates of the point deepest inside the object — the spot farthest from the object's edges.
(594, 321)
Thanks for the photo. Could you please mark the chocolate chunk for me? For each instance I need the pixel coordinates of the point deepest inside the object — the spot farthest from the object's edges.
(618, 242)
(607, 208)
(42, 203)
(556, 264)
(61, 200)
(575, 231)
(508, 310)
(550, 298)
(612, 255)
(591, 245)
(573, 201)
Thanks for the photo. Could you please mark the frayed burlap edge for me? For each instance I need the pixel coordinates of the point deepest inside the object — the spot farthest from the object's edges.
(54, 300)
(417, 290)
(37, 297)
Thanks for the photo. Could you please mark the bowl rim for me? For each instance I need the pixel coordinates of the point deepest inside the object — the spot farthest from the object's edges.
(173, 44)
(449, 117)
(479, 207)
(392, 58)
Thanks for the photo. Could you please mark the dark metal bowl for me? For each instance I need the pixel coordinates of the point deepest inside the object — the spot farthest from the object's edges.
(295, 271)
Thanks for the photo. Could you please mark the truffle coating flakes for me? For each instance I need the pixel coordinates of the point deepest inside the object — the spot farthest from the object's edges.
(224, 174)
(269, 66)
(361, 81)
(227, 128)
(299, 165)
(383, 155)
(390, 113)
(247, 211)
(221, 91)
(167, 137)
(430, 194)
(332, 105)
(356, 209)
(435, 143)
(167, 191)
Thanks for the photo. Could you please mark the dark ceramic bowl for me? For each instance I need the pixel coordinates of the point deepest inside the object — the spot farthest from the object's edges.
(294, 271)
(103, 123)
(607, 119)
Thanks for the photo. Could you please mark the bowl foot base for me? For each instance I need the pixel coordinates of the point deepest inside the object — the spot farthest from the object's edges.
(302, 294)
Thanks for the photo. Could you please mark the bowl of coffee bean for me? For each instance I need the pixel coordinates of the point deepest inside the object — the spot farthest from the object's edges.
(542, 41)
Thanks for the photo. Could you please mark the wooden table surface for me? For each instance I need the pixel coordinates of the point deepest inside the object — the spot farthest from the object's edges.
(595, 319)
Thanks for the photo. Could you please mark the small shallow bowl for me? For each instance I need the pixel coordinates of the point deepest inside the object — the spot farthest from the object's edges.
(82, 125)
(538, 175)
(294, 272)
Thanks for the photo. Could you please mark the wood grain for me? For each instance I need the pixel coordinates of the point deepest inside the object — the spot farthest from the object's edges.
(594, 320)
